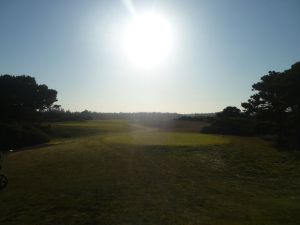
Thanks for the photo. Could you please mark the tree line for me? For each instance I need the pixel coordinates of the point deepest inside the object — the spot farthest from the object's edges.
(273, 109)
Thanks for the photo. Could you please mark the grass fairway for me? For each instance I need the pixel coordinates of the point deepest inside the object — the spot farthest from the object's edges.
(116, 173)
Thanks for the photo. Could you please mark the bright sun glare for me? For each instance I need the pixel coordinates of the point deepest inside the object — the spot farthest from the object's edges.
(148, 40)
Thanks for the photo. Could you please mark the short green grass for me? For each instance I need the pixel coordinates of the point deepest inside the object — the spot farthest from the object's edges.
(115, 172)
(165, 139)
(87, 128)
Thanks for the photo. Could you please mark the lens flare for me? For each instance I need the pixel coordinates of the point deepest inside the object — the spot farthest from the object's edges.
(148, 39)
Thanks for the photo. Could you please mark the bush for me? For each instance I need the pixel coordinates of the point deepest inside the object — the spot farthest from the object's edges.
(16, 135)
(239, 126)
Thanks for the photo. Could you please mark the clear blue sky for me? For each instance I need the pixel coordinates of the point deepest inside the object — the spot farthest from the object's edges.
(221, 48)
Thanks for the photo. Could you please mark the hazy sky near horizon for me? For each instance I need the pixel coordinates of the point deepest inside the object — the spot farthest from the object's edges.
(220, 48)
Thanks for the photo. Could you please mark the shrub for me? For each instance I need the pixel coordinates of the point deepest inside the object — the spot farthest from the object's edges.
(239, 126)
(16, 135)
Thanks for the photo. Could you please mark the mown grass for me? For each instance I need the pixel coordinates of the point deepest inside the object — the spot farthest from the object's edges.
(165, 139)
(120, 173)
(87, 128)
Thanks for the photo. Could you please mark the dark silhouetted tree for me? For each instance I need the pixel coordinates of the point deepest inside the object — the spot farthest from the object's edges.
(277, 99)
(230, 111)
(21, 98)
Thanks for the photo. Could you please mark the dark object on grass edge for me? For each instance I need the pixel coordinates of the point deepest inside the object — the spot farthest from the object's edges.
(3, 181)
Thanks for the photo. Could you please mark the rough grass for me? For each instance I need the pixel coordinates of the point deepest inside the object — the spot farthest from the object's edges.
(120, 173)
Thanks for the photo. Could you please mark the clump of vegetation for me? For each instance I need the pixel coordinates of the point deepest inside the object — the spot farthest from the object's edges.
(277, 100)
(231, 121)
(22, 101)
(17, 135)
(274, 109)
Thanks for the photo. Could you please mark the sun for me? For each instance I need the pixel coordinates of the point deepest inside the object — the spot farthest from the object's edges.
(148, 40)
